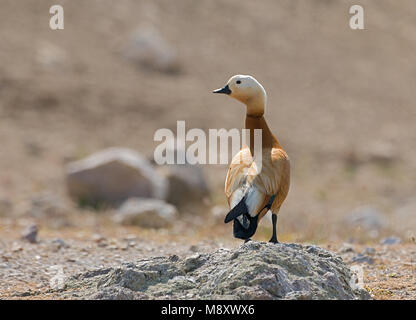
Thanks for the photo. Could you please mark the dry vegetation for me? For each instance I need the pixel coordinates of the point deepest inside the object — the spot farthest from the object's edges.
(340, 101)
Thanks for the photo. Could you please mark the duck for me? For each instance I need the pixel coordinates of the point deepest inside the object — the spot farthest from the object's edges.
(255, 186)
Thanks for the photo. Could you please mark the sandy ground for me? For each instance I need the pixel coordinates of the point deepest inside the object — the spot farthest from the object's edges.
(341, 102)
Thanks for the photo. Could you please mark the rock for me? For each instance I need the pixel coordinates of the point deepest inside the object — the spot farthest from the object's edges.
(194, 248)
(147, 49)
(30, 233)
(118, 293)
(96, 237)
(361, 258)
(346, 248)
(187, 184)
(253, 271)
(382, 153)
(58, 244)
(390, 241)
(111, 176)
(369, 251)
(146, 213)
(16, 247)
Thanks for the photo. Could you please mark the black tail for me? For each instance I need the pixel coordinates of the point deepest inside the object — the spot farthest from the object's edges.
(248, 226)
(238, 210)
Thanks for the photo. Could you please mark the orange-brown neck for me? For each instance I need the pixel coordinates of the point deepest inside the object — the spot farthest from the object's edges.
(268, 139)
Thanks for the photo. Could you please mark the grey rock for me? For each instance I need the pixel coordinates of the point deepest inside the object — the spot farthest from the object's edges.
(390, 241)
(111, 176)
(58, 244)
(117, 293)
(187, 184)
(346, 248)
(361, 258)
(147, 213)
(252, 271)
(194, 248)
(369, 251)
(30, 233)
(382, 153)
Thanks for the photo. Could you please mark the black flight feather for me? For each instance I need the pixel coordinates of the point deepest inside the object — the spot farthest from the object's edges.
(238, 210)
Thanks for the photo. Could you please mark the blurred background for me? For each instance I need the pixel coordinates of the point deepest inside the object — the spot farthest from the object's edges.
(340, 101)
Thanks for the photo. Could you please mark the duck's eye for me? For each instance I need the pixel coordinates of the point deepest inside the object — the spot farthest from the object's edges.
(238, 81)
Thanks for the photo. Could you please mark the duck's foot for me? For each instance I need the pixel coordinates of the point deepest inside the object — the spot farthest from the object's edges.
(274, 240)
(247, 240)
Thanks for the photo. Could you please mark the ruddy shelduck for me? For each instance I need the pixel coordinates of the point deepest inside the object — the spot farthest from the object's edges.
(252, 192)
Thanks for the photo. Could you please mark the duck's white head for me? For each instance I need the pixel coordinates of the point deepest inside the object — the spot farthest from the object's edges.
(248, 90)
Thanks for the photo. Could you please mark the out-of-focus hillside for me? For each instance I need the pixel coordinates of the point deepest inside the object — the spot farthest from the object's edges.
(340, 101)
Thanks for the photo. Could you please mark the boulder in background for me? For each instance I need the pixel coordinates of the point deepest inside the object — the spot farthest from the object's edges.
(111, 176)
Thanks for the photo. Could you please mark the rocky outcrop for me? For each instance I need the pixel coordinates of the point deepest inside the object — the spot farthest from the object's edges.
(111, 176)
(252, 271)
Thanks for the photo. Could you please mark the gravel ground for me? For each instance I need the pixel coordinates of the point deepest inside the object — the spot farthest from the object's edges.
(27, 269)
(389, 271)
(31, 271)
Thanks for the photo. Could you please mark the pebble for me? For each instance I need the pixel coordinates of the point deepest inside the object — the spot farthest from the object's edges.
(16, 247)
(346, 247)
(390, 241)
(360, 258)
(369, 251)
(194, 248)
(30, 233)
(57, 244)
(98, 237)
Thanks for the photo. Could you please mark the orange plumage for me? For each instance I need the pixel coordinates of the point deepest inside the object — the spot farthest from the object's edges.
(249, 191)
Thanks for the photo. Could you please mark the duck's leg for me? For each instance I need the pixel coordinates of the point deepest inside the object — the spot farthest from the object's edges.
(274, 221)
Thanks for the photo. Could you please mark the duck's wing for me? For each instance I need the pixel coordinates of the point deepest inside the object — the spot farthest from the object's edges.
(257, 188)
(239, 183)
(237, 172)
(275, 177)
(271, 184)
